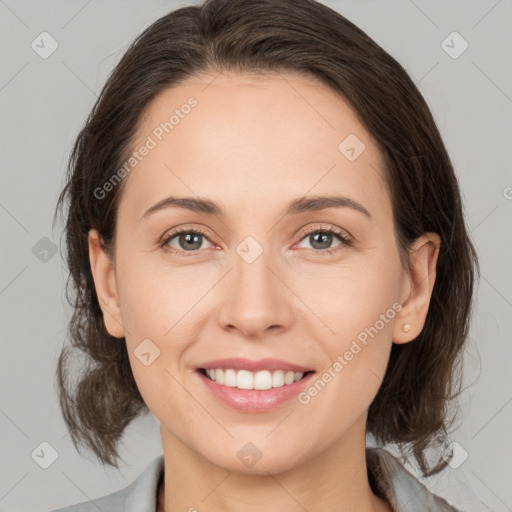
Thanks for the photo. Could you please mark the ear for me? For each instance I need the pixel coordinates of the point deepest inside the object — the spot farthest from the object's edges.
(417, 285)
(104, 276)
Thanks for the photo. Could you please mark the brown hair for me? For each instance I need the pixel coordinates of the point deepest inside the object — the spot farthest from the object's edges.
(304, 36)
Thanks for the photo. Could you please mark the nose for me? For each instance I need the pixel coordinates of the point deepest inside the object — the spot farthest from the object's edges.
(255, 299)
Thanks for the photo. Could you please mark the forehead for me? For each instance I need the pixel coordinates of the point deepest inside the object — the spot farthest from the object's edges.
(252, 138)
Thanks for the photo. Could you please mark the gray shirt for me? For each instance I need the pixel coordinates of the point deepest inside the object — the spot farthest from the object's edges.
(388, 477)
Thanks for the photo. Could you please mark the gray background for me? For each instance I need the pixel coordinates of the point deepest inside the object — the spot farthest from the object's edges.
(43, 105)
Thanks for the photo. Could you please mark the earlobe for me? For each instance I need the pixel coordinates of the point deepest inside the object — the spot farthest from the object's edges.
(105, 284)
(418, 284)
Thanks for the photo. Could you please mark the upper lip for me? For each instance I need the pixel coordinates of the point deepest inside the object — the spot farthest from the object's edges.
(270, 364)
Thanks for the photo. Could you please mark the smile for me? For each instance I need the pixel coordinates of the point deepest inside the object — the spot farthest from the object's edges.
(253, 386)
(244, 379)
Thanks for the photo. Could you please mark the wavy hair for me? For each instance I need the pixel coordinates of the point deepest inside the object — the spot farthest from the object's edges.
(304, 36)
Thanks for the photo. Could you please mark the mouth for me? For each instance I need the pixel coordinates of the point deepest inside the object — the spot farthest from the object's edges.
(248, 380)
(253, 386)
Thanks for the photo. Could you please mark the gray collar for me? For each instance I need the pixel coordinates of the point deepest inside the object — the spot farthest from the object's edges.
(390, 480)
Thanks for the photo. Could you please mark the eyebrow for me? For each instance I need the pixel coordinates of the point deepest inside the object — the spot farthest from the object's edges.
(300, 205)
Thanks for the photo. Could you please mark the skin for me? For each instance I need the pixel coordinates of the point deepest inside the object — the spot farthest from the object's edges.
(252, 144)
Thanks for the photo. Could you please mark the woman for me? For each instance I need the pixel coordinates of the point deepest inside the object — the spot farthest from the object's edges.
(267, 244)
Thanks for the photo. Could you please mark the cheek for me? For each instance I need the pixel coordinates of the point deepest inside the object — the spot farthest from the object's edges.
(161, 308)
(158, 299)
(349, 297)
(357, 308)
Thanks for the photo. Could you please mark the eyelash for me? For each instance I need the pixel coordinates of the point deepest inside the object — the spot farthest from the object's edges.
(314, 229)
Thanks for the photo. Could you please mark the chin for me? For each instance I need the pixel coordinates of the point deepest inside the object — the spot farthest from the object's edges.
(248, 459)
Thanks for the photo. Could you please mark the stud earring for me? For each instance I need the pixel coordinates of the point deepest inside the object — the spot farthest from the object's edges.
(406, 327)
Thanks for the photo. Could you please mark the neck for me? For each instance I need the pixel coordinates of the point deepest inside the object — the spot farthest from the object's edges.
(335, 479)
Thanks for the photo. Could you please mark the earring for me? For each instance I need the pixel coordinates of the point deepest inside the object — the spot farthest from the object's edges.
(406, 327)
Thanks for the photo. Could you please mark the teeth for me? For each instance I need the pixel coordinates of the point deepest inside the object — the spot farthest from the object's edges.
(244, 380)
(261, 380)
(219, 376)
(229, 378)
(277, 379)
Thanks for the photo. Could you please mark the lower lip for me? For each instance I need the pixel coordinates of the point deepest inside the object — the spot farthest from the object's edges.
(255, 400)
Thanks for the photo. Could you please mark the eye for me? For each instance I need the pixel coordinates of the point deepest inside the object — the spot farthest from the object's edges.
(321, 239)
(185, 240)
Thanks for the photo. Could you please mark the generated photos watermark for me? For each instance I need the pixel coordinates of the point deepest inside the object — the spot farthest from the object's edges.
(151, 142)
(343, 360)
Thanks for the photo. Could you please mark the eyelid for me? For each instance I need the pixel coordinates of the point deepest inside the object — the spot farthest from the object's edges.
(324, 227)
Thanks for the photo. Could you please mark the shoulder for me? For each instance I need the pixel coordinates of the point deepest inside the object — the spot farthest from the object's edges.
(112, 502)
(139, 496)
(392, 481)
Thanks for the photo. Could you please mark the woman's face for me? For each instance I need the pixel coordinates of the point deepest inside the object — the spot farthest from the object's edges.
(261, 281)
